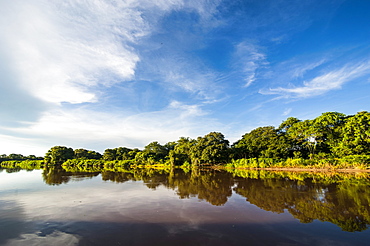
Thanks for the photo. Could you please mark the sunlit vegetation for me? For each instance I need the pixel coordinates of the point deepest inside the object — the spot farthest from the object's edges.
(347, 162)
(18, 157)
(330, 141)
(26, 164)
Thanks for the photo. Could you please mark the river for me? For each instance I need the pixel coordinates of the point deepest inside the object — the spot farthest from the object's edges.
(177, 207)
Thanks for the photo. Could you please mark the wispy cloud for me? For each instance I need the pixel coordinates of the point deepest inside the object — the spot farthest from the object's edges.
(287, 111)
(298, 71)
(249, 59)
(62, 50)
(332, 80)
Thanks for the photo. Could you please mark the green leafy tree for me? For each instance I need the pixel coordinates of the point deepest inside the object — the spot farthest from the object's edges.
(156, 151)
(355, 135)
(110, 155)
(59, 154)
(122, 153)
(94, 155)
(131, 154)
(86, 154)
(328, 128)
(144, 157)
(265, 142)
(181, 151)
(287, 124)
(306, 135)
(213, 148)
(80, 153)
(16, 157)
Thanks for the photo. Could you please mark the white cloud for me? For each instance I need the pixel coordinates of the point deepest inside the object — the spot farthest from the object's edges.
(98, 131)
(287, 111)
(176, 70)
(61, 50)
(70, 51)
(328, 81)
(249, 58)
(188, 78)
(298, 71)
(23, 145)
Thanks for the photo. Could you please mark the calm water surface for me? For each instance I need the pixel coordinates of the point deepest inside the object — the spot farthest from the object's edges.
(147, 207)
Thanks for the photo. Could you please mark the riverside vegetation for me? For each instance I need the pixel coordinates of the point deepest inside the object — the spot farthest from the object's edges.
(330, 141)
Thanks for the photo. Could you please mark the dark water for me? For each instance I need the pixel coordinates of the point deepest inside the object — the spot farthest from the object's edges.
(147, 207)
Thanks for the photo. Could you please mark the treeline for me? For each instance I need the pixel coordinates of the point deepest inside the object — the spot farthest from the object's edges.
(213, 148)
(18, 157)
(332, 139)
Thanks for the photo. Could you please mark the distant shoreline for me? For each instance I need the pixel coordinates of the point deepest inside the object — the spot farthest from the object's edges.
(297, 169)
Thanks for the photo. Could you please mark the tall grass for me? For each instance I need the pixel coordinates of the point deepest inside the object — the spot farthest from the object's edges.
(348, 162)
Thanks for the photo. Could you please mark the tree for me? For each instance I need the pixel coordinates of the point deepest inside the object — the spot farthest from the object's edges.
(122, 153)
(16, 157)
(288, 123)
(355, 135)
(86, 154)
(328, 128)
(93, 155)
(181, 151)
(213, 148)
(109, 155)
(156, 150)
(265, 142)
(59, 154)
(131, 154)
(306, 134)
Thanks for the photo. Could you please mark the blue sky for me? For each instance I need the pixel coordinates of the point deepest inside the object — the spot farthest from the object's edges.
(102, 74)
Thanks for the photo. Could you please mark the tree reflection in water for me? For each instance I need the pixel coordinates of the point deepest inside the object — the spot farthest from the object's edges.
(58, 175)
(341, 199)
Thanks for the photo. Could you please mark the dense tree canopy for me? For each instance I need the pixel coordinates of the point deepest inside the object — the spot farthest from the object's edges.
(59, 154)
(355, 135)
(331, 134)
(265, 142)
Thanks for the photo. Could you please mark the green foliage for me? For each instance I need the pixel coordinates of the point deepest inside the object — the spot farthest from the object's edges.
(355, 135)
(264, 142)
(329, 125)
(329, 141)
(86, 154)
(18, 157)
(213, 148)
(181, 152)
(120, 153)
(59, 154)
(26, 164)
(348, 162)
(156, 151)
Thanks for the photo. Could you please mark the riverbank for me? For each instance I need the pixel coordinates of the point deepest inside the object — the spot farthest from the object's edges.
(295, 169)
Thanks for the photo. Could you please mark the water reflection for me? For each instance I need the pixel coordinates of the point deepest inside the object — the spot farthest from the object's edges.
(342, 201)
(58, 175)
(197, 207)
(345, 205)
(12, 220)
